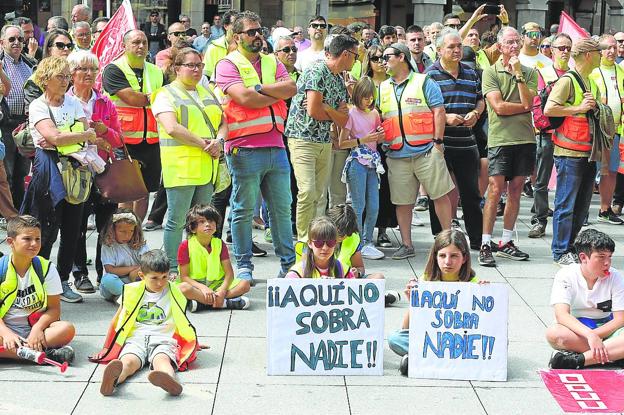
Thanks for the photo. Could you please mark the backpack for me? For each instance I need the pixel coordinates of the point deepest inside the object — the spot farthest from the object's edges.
(541, 121)
(36, 262)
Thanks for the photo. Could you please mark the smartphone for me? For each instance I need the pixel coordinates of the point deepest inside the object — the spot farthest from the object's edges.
(493, 9)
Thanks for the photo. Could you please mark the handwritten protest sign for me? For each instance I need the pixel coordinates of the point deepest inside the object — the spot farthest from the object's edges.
(325, 327)
(458, 331)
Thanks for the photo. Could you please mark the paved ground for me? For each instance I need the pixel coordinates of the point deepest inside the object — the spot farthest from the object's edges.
(231, 376)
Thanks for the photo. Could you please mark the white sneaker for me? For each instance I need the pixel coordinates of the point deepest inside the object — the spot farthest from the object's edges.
(416, 221)
(91, 223)
(370, 252)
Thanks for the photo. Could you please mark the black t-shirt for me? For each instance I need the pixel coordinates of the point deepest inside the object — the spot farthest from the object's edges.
(191, 32)
(114, 80)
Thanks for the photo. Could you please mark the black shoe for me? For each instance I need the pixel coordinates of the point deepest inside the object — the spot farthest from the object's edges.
(609, 217)
(509, 250)
(83, 284)
(383, 240)
(61, 355)
(567, 360)
(228, 237)
(404, 365)
(486, 259)
(550, 213)
(392, 297)
(193, 306)
(527, 190)
(257, 251)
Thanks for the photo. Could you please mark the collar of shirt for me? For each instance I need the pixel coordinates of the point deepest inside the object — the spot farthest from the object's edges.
(392, 81)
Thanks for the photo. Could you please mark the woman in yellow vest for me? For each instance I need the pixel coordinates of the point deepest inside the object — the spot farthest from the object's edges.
(191, 130)
(58, 126)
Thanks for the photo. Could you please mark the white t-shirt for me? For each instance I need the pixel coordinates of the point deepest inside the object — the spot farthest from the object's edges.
(163, 103)
(538, 61)
(307, 58)
(570, 287)
(88, 106)
(613, 94)
(26, 300)
(154, 318)
(121, 255)
(65, 116)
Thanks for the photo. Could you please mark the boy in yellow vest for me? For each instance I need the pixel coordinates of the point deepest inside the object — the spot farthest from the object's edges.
(150, 327)
(30, 289)
(207, 277)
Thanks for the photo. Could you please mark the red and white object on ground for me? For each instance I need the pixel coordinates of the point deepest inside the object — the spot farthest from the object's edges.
(40, 358)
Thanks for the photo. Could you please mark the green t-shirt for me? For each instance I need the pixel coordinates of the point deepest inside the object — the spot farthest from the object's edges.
(508, 130)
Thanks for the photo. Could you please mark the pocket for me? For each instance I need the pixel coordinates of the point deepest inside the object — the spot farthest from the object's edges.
(575, 128)
(421, 123)
(127, 122)
(189, 166)
(391, 129)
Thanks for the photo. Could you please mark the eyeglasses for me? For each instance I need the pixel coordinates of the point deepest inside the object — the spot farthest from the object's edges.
(355, 55)
(512, 42)
(19, 39)
(454, 26)
(185, 21)
(619, 40)
(386, 57)
(375, 58)
(87, 69)
(193, 66)
(63, 78)
(252, 32)
(61, 45)
(319, 244)
(289, 49)
(295, 33)
(86, 34)
(533, 34)
(563, 48)
(178, 34)
(545, 46)
(318, 25)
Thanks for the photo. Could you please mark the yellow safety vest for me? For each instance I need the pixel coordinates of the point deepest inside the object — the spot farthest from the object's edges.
(598, 77)
(8, 287)
(408, 118)
(76, 127)
(182, 164)
(356, 70)
(204, 265)
(347, 249)
(482, 59)
(217, 50)
(123, 325)
(138, 123)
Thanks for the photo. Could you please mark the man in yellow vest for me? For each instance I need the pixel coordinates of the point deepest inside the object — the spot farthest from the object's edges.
(609, 78)
(129, 81)
(256, 86)
(573, 97)
(412, 109)
(561, 46)
(220, 47)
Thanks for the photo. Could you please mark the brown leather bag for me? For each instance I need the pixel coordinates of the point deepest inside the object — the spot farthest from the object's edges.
(121, 181)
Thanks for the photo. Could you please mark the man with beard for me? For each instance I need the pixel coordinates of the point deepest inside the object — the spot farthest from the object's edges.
(175, 33)
(257, 86)
(317, 30)
(530, 55)
(31, 46)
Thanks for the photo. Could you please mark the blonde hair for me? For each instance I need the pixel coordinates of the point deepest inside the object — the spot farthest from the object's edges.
(126, 216)
(48, 68)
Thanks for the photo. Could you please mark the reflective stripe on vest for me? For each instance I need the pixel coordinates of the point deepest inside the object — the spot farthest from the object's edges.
(599, 78)
(244, 121)
(347, 249)
(216, 51)
(411, 121)
(8, 288)
(184, 165)
(138, 122)
(76, 127)
(482, 60)
(574, 134)
(204, 265)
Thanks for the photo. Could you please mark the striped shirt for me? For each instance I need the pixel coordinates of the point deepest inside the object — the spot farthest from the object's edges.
(18, 72)
(460, 97)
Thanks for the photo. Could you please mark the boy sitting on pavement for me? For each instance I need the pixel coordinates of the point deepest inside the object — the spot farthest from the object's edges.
(30, 302)
(150, 327)
(588, 299)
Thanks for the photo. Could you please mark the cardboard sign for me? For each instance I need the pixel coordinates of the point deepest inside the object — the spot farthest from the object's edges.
(587, 391)
(325, 327)
(458, 330)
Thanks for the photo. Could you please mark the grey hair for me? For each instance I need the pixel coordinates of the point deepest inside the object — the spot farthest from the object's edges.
(505, 29)
(182, 16)
(84, 9)
(82, 24)
(5, 28)
(58, 22)
(436, 25)
(76, 59)
(279, 39)
(447, 31)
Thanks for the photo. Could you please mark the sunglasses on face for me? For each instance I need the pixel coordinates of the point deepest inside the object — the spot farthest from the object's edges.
(178, 34)
(544, 46)
(318, 25)
(563, 48)
(265, 50)
(61, 45)
(454, 26)
(386, 57)
(295, 33)
(533, 34)
(13, 39)
(184, 21)
(98, 31)
(319, 244)
(289, 49)
(252, 32)
(376, 59)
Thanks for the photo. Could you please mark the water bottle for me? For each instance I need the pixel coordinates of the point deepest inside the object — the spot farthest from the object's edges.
(27, 353)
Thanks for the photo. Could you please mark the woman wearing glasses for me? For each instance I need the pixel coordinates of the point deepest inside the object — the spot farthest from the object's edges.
(192, 130)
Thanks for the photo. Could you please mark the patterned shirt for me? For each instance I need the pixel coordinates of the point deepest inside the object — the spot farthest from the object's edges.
(300, 124)
(18, 72)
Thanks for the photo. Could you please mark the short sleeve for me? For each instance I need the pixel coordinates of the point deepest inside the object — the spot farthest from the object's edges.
(489, 81)
(226, 74)
(38, 111)
(617, 294)
(314, 80)
(144, 249)
(113, 79)
(183, 253)
(377, 118)
(162, 103)
(225, 254)
(561, 91)
(531, 79)
(562, 290)
(108, 255)
(433, 93)
(52, 282)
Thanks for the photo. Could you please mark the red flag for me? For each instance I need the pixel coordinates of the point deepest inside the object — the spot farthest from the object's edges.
(568, 26)
(109, 45)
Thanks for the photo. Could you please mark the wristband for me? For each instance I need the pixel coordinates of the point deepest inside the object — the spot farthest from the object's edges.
(358, 141)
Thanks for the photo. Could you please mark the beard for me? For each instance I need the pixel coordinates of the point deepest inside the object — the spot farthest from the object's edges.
(254, 47)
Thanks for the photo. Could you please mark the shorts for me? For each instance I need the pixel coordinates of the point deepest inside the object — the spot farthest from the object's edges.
(405, 176)
(213, 285)
(511, 161)
(22, 331)
(151, 346)
(148, 156)
(614, 156)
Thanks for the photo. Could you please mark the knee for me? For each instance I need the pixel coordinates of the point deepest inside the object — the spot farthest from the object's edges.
(494, 189)
(375, 276)
(186, 288)
(244, 286)
(67, 330)
(399, 342)
(557, 338)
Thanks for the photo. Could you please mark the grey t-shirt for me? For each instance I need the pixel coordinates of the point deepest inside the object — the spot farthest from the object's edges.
(121, 255)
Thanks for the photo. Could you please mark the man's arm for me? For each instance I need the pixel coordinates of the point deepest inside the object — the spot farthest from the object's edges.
(248, 97)
(133, 98)
(282, 89)
(555, 106)
(563, 317)
(439, 121)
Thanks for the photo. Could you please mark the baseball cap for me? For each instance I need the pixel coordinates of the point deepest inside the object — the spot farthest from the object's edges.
(587, 45)
(401, 48)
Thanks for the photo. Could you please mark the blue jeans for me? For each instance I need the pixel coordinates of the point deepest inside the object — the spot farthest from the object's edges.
(575, 183)
(179, 200)
(111, 286)
(399, 342)
(364, 185)
(254, 170)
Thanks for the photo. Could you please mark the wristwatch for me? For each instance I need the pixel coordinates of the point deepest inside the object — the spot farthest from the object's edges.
(519, 79)
(258, 89)
(438, 141)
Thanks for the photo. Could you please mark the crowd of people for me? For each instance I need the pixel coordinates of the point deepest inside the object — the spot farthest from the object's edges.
(318, 140)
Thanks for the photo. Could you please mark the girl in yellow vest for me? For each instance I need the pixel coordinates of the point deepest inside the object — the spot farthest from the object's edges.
(318, 260)
(206, 274)
(449, 261)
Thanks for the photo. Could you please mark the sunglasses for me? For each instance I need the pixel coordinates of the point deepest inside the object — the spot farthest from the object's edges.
(318, 25)
(61, 45)
(375, 58)
(184, 21)
(563, 48)
(289, 49)
(454, 26)
(178, 34)
(16, 38)
(619, 40)
(319, 244)
(544, 46)
(252, 32)
(533, 34)
(295, 33)
(386, 57)
(193, 66)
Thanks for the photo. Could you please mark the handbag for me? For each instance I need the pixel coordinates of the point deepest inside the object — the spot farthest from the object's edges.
(121, 181)
(77, 180)
(23, 140)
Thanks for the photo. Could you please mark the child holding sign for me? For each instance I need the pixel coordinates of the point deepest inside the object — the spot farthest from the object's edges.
(588, 299)
(449, 261)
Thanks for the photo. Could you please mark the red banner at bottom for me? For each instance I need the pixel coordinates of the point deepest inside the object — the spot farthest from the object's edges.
(588, 391)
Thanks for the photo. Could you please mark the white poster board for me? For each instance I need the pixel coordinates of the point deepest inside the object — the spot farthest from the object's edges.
(325, 327)
(458, 330)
